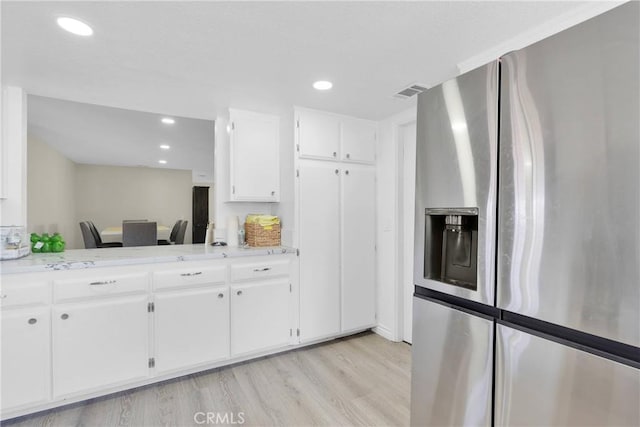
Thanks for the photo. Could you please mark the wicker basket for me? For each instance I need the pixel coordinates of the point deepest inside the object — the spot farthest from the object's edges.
(257, 235)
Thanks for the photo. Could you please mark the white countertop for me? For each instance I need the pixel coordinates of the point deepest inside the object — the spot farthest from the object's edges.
(107, 257)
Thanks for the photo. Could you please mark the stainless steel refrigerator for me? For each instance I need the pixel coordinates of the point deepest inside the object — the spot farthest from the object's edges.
(527, 249)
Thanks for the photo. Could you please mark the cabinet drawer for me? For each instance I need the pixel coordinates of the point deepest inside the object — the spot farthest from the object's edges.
(15, 293)
(188, 277)
(95, 286)
(259, 270)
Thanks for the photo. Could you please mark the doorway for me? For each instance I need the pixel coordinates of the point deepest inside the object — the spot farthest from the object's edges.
(200, 214)
(407, 191)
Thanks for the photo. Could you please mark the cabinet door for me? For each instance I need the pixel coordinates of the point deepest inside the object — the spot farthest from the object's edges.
(191, 327)
(358, 247)
(318, 135)
(319, 240)
(26, 370)
(358, 140)
(255, 155)
(260, 316)
(99, 343)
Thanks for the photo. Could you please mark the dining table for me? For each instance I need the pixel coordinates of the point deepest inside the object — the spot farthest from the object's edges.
(114, 234)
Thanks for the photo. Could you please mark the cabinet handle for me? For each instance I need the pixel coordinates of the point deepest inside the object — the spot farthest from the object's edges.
(346, 172)
(220, 295)
(105, 282)
(239, 293)
(3, 296)
(33, 321)
(335, 154)
(262, 269)
(337, 171)
(348, 156)
(197, 273)
(273, 193)
(65, 316)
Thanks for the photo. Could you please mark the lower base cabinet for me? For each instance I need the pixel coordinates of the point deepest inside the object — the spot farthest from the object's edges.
(191, 328)
(70, 335)
(260, 316)
(99, 343)
(26, 370)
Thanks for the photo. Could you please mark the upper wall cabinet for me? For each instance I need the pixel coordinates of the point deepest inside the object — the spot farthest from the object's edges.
(327, 136)
(254, 157)
(358, 140)
(318, 135)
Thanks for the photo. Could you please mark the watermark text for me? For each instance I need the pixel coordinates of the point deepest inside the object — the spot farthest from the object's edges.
(219, 418)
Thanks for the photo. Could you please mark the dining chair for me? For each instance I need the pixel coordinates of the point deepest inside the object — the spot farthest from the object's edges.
(181, 232)
(87, 236)
(139, 233)
(98, 239)
(172, 236)
(92, 239)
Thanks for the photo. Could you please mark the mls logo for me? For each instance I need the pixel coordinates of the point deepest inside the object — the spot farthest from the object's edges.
(226, 418)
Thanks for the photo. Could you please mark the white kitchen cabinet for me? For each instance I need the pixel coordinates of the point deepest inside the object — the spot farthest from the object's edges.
(327, 136)
(191, 327)
(260, 315)
(319, 244)
(260, 269)
(80, 333)
(335, 208)
(358, 140)
(318, 135)
(26, 362)
(26, 342)
(100, 342)
(358, 289)
(254, 157)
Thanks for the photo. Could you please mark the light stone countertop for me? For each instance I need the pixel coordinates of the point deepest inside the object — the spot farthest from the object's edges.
(107, 257)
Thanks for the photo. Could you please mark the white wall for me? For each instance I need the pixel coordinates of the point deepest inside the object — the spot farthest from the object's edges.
(51, 202)
(13, 161)
(107, 195)
(389, 292)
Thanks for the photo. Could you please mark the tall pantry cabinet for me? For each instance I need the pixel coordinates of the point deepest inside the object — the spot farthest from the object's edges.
(335, 207)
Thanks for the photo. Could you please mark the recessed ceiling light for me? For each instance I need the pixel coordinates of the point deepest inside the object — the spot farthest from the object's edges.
(165, 147)
(168, 120)
(162, 162)
(74, 26)
(322, 85)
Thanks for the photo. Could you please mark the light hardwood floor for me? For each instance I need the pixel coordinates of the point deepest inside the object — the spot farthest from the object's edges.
(359, 380)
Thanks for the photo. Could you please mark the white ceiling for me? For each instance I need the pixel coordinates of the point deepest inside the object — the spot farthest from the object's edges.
(196, 59)
(94, 134)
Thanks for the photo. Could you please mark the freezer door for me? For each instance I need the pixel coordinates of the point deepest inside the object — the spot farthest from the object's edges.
(457, 168)
(543, 383)
(452, 367)
(569, 210)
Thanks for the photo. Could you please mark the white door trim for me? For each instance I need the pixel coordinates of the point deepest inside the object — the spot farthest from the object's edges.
(399, 221)
(402, 119)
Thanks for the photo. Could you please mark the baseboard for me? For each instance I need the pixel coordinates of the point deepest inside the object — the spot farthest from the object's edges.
(385, 333)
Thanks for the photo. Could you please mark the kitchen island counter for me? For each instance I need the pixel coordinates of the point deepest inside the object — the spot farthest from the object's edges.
(110, 257)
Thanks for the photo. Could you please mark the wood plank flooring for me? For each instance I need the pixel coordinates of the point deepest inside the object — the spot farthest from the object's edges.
(354, 381)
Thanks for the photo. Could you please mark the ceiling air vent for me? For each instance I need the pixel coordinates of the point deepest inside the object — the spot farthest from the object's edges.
(410, 91)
